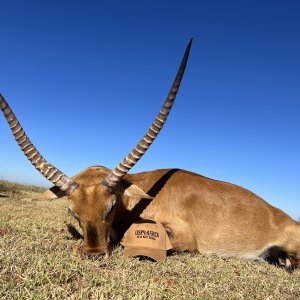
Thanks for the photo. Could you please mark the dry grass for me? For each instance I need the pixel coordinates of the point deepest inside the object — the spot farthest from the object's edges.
(15, 189)
(39, 260)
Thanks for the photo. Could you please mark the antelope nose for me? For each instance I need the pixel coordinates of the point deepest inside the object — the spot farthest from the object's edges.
(90, 253)
(93, 254)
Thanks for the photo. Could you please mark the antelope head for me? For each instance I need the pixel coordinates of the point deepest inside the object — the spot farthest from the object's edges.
(94, 195)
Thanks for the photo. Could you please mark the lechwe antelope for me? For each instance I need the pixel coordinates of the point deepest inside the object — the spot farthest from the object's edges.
(199, 214)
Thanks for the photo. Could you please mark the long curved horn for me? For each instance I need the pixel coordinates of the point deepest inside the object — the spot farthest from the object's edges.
(46, 169)
(133, 157)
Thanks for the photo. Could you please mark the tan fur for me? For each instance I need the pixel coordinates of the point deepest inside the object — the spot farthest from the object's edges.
(200, 214)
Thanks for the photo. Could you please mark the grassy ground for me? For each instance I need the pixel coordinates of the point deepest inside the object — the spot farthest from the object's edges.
(16, 190)
(40, 260)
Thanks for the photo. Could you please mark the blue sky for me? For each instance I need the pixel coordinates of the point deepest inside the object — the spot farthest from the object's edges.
(86, 79)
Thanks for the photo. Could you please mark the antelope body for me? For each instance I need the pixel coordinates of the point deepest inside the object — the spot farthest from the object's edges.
(198, 213)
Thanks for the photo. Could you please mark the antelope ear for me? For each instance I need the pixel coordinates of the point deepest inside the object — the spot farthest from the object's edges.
(53, 193)
(134, 191)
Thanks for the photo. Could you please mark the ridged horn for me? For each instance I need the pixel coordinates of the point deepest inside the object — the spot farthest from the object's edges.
(46, 169)
(133, 157)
